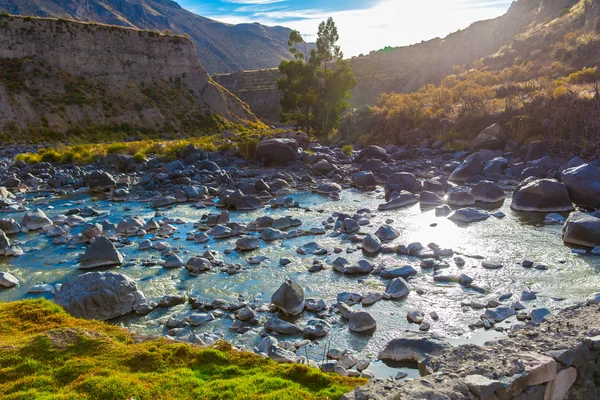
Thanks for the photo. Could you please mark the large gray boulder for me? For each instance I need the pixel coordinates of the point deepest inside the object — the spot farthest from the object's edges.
(100, 295)
(487, 192)
(362, 321)
(491, 138)
(469, 168)
(101, 253)
(541, 195)
(100, 181)
(364, 179)
(399, 200)
(35, 220)
(413, 347)
(277, 151)
(399, 181)
(4, 243)
(372, 152)
(9, 226)
(583, 183)
(8, 280)
(289, 298)
(536, 150)
(582, 229)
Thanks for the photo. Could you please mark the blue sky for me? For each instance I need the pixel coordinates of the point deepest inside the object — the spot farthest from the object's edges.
(364, 25)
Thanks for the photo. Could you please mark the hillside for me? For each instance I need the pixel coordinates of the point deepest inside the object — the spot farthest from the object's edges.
(406, 69)
(220, 47)
(46, 353)
(61, 78)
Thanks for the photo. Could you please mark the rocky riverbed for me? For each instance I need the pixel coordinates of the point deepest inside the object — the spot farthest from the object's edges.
(317, 256)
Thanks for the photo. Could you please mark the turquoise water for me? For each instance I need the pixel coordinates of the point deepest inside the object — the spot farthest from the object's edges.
(509, 240)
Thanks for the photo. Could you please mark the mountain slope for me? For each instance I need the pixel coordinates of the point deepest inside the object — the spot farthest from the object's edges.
(63, 79)
(220, 47)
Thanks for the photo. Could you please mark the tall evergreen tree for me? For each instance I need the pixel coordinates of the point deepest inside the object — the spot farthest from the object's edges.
(315, 90)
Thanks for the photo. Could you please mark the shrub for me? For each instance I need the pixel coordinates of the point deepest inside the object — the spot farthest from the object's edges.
(559, 92)
(247, 148)
(586, 75)
(348, 150)
(51, 155)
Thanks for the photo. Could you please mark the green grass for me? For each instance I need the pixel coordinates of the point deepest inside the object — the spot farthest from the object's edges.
(47, 354)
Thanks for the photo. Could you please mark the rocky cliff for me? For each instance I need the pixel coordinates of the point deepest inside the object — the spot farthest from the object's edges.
(221, 47)
(60, 75)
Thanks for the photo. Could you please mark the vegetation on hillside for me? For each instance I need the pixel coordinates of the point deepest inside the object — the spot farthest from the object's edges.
(46, 353)
(543, 85)
(315, 90)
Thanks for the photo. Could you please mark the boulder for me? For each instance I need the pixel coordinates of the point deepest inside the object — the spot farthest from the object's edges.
(536, 150)
(277, 151)
(35, 220)
(541, 195)
(397, 289)
(100, 181)
(7, 280)
(289, 298)
(248, 243)
(100, 295)
(9, 226)
(460, 196)
(468, 215)
(371, 244)
(399, 200)
(131, 226)
(469, 168)
(491, 138)
(386, 233)
(271, 234)
(372, 152)
(361, 321)
(4, 243)
(430, 199)
(413, 348)
(316, 328)
(487, 192)
(364, 179)
(399, 181)
(582, 229)
(278, 325)
(583, 184)
(101, 253)
(404, 272)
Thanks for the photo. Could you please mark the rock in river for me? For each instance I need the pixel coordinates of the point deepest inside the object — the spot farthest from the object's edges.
(413, 348)
(362, 321)
(397, 289)
(583, 183)
(289, 298)
(7, 280)
(582, 230)
(371, 244)
(35, 220)
(468, 215)
(100, 295)
(541, 195)
(277, 151)
(316, 328)
(101, 253)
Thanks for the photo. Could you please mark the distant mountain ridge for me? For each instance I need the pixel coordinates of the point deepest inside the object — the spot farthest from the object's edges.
(221, 47)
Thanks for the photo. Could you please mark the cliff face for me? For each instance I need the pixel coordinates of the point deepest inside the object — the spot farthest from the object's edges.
(221, 47)
(87, 68)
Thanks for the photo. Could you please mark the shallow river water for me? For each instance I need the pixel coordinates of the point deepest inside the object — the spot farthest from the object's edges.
(569, 278)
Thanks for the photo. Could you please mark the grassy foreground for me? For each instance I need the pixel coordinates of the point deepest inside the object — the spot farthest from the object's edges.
(47, 354)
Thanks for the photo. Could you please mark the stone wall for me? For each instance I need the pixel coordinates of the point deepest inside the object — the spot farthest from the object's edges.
(558, 360)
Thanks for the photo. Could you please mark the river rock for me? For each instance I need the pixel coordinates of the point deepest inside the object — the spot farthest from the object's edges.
(4, 243)
(361, 321)
(364, 179)
(271, 234)
(541, 195)
(130, 226)
(397, 289)
(100, 295)
(372, 152)
(316, 328)
(200, 318)
(9, 226)
(100, 181)
(583, 184)
(413, 348)
(371, 244)
(101, 253)
(536, 150)
(404, 272)
(278, 325)
(402, 181)
(8, 280)
(469, 168)
(460, 196)
(468, 215)
(491, 138)
(246, 244)
(277, 151)
(487, 192)
(400, 200)
(35, 220)
(289, 298)
(173, 261)
(582, 229)
(430, 199)
(386, 233)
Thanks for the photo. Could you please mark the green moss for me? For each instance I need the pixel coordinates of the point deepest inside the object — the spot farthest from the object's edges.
(47, 354)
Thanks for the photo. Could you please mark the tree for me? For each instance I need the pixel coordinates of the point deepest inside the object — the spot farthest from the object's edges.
(315, 90)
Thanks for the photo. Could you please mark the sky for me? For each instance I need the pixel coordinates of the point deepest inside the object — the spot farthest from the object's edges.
(363, 25)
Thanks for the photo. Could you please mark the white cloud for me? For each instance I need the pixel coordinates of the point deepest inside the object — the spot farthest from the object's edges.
(389, 23)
